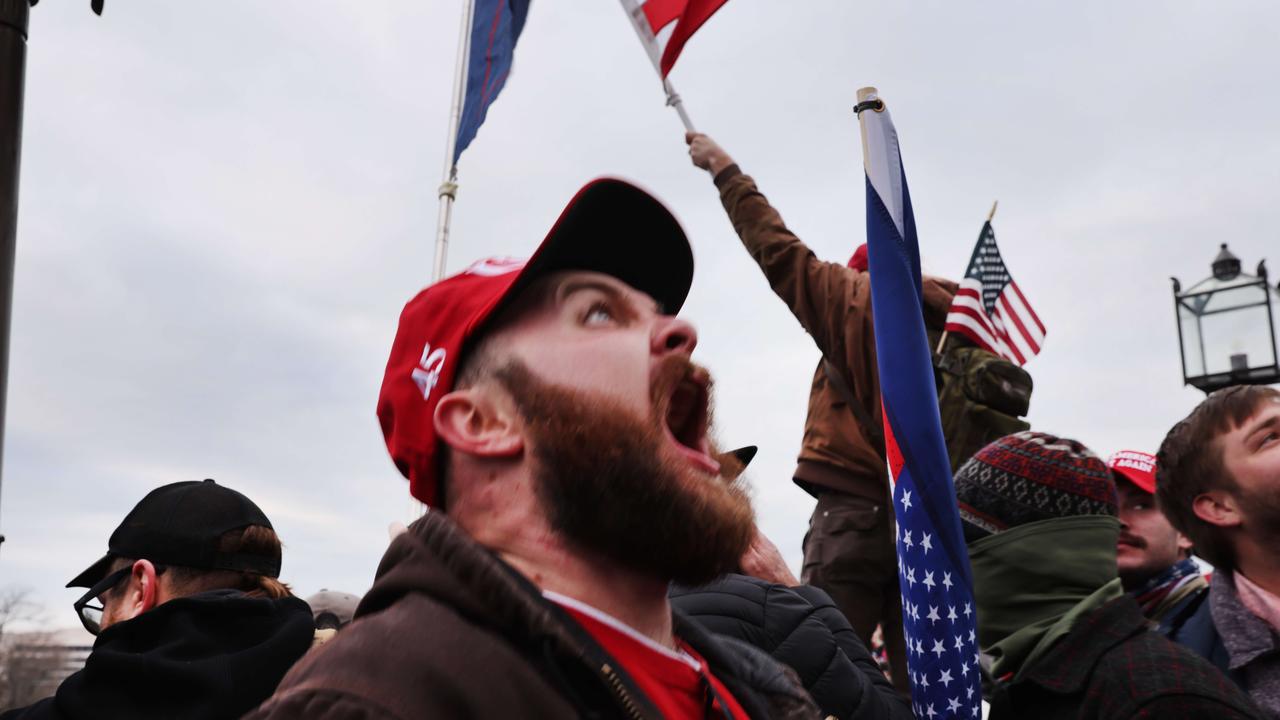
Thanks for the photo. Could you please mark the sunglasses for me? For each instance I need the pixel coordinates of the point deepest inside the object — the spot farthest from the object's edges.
(89, 607)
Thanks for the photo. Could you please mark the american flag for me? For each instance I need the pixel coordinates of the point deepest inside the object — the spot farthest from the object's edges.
(938, 611)
(991, 310)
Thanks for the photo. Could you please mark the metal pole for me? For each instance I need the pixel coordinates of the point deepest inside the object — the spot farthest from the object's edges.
(641, 25)
(1204, 361)
(448, 190)
(1177, 317)
(673, 100)
(1271, 323)
(14, 16)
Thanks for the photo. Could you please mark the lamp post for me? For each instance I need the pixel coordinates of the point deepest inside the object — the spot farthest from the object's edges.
(1227, 327)
(13, 66)
(14, 18)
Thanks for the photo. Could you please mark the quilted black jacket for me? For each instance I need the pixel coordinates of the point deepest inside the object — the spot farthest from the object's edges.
(802, 628)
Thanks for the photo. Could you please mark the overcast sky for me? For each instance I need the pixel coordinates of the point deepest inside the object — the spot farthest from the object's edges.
(224, 206)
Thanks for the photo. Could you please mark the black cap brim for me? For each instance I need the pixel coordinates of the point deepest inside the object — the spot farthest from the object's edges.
(93, 573)
(613, 227)
(744, 454)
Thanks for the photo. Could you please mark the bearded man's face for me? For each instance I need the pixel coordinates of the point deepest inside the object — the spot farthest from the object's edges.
(619, 484)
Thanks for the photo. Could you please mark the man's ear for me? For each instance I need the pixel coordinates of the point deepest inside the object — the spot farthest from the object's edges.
(1217, 507)
(476, 422)
(142, 593)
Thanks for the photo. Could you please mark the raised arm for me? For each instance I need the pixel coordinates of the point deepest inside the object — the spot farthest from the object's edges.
(831, 301)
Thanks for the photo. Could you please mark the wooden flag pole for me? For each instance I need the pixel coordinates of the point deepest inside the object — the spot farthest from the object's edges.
(448, 191)
(990, 216)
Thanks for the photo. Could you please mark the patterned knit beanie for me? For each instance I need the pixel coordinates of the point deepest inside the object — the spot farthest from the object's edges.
(1031, 476)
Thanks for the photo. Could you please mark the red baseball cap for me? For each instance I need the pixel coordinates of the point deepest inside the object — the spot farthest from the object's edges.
(610, 226)
(1137, 467)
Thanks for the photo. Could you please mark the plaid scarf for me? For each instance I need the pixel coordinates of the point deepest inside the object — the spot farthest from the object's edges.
(1154, 591)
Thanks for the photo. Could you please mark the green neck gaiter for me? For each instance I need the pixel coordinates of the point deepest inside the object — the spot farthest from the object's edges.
(1033, 582)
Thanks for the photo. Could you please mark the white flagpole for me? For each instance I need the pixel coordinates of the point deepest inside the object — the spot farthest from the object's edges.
(650, 42)
(448, 190)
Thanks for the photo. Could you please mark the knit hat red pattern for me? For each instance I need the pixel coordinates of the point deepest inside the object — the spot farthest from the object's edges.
(1031, 476)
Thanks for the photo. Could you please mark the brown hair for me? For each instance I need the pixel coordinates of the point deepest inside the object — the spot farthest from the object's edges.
(1190, 463)
(253, 539)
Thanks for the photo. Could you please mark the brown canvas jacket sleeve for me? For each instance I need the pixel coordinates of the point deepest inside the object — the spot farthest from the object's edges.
(832, 303)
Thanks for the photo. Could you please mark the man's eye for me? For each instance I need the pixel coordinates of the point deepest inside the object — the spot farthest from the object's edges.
(599, 314)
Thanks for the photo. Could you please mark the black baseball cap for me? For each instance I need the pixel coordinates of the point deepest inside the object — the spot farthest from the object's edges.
(180, 524)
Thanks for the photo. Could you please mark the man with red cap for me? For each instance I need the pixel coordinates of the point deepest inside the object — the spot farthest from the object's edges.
(1153, 558)
(549, 414)
(849, 550)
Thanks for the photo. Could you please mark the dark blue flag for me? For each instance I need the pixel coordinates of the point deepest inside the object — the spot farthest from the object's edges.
(495, 27)
(938, 613)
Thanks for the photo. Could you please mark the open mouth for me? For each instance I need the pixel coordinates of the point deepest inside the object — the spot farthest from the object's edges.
(687, 418)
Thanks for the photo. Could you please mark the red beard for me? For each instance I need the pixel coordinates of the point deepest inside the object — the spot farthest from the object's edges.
(611, 485)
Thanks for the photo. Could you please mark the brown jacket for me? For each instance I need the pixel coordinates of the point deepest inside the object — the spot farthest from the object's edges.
(833, 304)
(450, 631)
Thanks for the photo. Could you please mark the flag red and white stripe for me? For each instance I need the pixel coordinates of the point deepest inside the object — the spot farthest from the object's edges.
(651, 17)
(990, 308)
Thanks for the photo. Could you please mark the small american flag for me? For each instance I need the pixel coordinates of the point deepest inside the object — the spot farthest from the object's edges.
(938, 612)
(991, 310)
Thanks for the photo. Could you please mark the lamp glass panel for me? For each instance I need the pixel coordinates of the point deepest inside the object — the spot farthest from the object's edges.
(1192, 357)
(1243, 330)
(1234, 297)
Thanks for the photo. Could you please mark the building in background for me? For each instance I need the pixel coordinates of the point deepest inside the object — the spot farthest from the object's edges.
(33, 664)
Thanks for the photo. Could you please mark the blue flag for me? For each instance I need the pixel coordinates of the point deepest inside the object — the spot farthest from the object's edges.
(495, 27)
(938, 613)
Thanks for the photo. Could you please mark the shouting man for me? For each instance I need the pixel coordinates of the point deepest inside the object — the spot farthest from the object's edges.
(549, 414)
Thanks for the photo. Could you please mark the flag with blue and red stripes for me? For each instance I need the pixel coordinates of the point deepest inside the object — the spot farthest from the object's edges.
(938, 613)
(495, 28)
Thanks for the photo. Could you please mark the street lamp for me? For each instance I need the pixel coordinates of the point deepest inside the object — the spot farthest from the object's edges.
(14, 19)
(1226, 327)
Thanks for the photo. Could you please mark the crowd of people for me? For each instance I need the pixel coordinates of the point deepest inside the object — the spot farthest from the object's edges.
(590, 553)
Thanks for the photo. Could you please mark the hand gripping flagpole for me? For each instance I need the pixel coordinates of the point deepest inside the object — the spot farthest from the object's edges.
(448, 190)
(650, 42)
